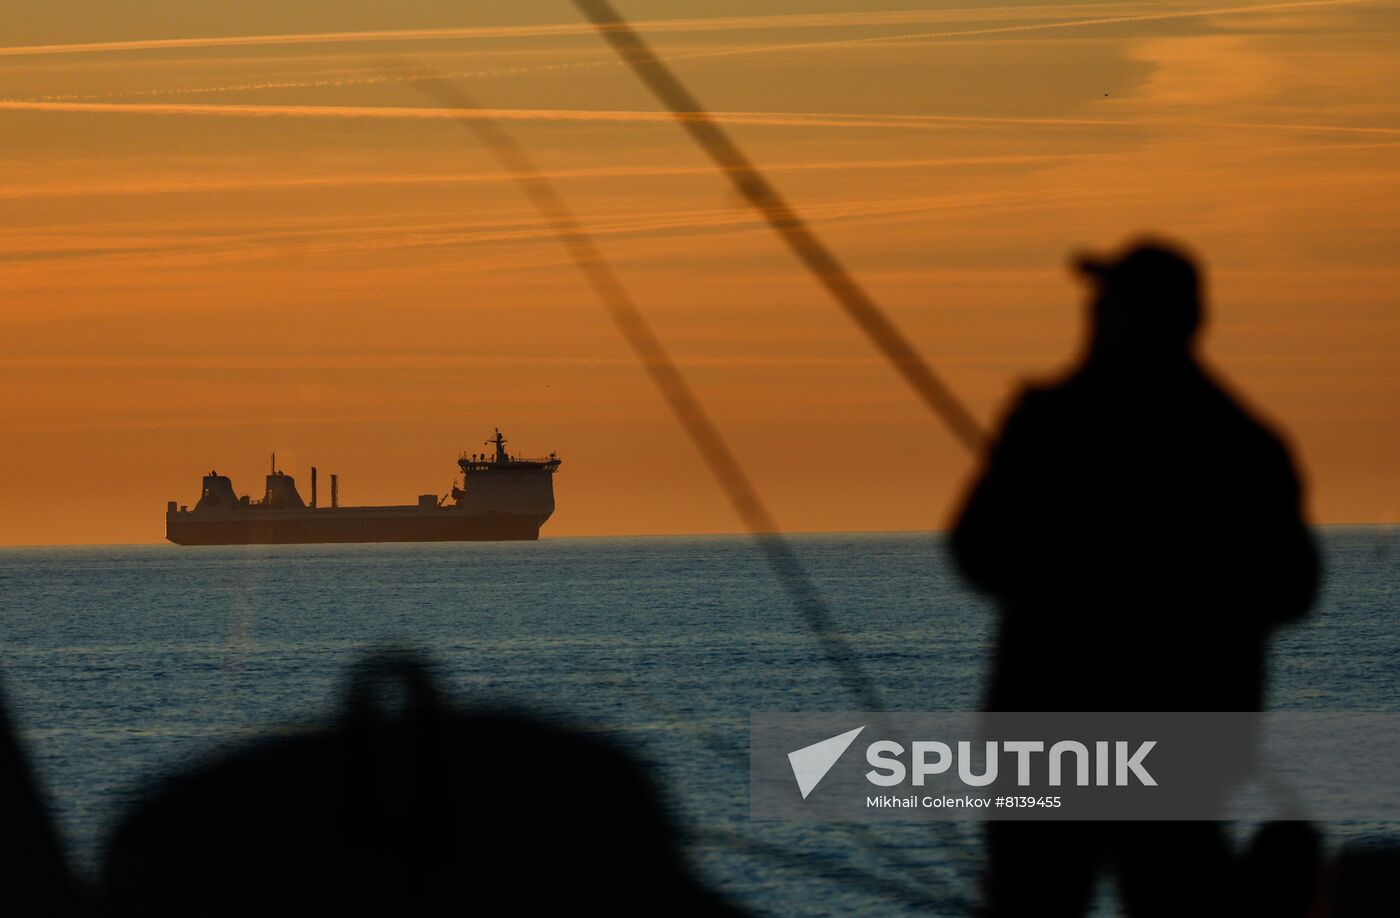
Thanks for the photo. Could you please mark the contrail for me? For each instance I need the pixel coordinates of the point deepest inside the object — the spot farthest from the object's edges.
(195, 186)
(655, 25)
(714, 24)
(387, 237)
(679, 26)
(1012, 29)
(769, 119)
(822, 262)
(755, 119)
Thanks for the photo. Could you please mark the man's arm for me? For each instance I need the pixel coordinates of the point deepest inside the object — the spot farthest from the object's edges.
(985, 537)
(1295, 571)
(1267, 552)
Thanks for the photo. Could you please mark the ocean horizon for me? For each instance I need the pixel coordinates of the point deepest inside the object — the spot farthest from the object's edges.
(545, 536)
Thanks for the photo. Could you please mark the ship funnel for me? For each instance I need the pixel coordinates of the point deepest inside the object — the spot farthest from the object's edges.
(313, 486)
(335, 490)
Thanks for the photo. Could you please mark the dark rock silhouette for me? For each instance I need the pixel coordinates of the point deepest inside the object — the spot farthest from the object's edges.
(1141, 534)
(408, 808)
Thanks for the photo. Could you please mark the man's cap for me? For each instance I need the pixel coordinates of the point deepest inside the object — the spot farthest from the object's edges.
(1152, 267)
(1148, 293)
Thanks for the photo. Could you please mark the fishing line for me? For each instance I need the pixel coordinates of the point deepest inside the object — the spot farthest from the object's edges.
(676, 392)
(650, 351)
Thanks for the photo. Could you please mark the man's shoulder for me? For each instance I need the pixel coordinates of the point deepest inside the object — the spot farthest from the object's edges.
(1231, 411)
(1038, 398)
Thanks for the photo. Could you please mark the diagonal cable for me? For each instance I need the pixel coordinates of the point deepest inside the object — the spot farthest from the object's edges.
(679, 397)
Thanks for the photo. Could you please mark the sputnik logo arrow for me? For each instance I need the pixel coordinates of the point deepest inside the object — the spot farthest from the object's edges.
(811, 763)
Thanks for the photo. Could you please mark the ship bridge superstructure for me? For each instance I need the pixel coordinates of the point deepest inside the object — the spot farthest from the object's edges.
(497, 482)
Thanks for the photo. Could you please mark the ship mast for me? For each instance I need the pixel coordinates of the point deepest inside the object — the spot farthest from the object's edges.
(500, 442)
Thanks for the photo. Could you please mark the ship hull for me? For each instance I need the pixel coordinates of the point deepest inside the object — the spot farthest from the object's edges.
(325, 526)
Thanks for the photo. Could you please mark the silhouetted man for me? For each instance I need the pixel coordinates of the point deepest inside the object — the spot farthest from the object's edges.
(1142, 535)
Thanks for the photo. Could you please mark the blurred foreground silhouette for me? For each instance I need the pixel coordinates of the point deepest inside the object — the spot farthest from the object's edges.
(32, 864)
(407, 806)
(1142, 535)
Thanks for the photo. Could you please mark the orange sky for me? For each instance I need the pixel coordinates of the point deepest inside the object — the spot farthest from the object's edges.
(225, 232)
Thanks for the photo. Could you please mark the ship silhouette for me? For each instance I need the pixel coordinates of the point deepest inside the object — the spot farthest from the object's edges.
(502, 498)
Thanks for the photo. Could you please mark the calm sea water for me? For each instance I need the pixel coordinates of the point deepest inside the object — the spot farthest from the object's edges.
(123, 663)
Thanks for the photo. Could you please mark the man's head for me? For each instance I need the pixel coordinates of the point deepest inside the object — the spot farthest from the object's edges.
(1146, 300)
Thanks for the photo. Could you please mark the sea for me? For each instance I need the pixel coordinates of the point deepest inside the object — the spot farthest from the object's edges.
(124, 664)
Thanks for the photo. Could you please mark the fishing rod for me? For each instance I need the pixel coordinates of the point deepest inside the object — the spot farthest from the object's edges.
(751, 184)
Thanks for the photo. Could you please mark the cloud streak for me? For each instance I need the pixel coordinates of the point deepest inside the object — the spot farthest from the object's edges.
(712, 24)
(673, 26)
(758, 119)
(601, 172)
(1121, 19)
(770, 119)
(829, 20)
(653, 224)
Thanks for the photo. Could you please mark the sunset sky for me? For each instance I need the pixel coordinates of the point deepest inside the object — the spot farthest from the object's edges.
(227, 228)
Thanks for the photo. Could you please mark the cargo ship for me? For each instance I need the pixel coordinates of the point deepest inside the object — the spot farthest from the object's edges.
(502, 498)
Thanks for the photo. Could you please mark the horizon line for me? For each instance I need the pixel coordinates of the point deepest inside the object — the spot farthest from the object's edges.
(10, 546)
